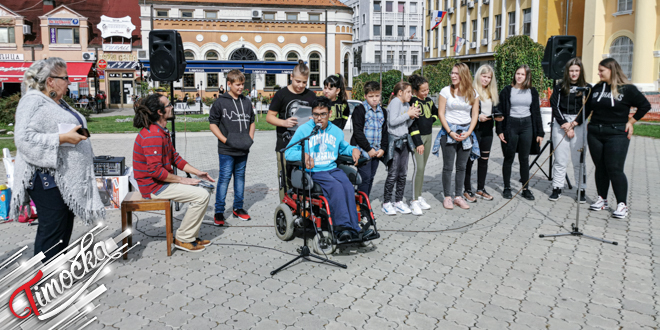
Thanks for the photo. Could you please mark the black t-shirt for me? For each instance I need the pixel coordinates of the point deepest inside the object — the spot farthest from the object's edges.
(282, 100)
(339, 112)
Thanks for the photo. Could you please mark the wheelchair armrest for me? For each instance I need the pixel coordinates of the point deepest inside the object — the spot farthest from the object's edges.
(348, 160)
(294, 163)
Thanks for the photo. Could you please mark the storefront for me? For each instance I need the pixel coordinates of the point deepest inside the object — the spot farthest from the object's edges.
(11, 76)
(121, 89)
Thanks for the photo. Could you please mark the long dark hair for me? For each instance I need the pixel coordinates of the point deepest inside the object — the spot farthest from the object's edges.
(400, 86)
(566, 82)
(416, 82)
(336, 81)
(146, 112)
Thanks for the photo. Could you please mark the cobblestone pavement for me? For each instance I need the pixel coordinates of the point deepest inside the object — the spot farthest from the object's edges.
(495, 274)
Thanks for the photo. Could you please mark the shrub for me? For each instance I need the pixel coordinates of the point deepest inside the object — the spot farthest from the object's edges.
(85, 112)
(8, 108)
(516, 51)
(208, 101)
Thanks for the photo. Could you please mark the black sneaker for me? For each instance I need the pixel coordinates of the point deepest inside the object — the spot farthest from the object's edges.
(527, 194)
(219, 219)
(556, 193)
(367, 233)
(507, 193)
(347, 235)
(583, 196)
(242, 214)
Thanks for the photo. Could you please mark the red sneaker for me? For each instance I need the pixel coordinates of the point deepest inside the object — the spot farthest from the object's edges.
(241, 214)
(219, 219)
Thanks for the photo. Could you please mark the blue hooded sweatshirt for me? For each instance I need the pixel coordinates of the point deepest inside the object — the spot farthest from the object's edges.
(324, 147)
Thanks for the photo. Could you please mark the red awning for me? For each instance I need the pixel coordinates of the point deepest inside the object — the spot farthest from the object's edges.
(12, 72)
(78, 71)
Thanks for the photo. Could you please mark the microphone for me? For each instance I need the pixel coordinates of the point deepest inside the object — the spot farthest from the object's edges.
(316, 128)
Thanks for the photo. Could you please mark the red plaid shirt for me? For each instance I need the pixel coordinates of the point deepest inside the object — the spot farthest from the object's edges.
(153, 156)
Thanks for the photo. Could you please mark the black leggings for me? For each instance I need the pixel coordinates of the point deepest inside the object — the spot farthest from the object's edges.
(608, 145)
(484, 133)
(519, 139)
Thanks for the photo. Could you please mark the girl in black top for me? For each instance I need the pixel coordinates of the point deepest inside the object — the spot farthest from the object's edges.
(610, 130)
(522, 127)
(333, 89)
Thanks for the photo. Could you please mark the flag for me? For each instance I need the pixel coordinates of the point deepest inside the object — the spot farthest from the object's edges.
(438, 15)
(458, 45)
(413, 36)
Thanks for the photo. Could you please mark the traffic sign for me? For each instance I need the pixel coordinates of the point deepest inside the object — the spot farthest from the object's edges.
(102, 64)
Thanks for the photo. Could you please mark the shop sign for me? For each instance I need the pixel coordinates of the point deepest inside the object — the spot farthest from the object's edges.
(116, 47)
(116, 27)
(127, 75)
(114, 75)
(53, 36)
(11, 57)
(64, 21)
(6, 21)
(122, 65)
(119, 57)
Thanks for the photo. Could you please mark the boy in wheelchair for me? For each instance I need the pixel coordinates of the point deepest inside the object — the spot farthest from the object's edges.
(321, 153)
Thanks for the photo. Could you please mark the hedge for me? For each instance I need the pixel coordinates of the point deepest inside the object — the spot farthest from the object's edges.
(516, 51)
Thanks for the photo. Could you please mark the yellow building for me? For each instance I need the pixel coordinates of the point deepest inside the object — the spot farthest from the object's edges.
(484, 24)
(628, 31)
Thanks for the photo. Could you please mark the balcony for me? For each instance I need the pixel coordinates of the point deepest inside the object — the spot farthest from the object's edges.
(375, 67)
(399, 39)
(396, 18)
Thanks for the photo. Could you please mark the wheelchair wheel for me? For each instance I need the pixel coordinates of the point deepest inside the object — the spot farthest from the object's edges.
(283, 222)
(322, 246)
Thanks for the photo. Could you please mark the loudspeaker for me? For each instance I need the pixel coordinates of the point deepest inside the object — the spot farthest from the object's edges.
(558, 51)
(166, 55)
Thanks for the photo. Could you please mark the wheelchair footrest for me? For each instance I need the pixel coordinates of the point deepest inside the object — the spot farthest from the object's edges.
(373, 236)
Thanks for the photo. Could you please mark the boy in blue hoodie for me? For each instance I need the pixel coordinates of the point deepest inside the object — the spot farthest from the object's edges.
(321, 152)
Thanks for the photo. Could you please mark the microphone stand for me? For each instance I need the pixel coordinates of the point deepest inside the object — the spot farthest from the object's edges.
(575, 227)
(303, 251)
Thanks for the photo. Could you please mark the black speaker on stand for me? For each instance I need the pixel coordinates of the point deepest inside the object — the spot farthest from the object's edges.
(558, 51)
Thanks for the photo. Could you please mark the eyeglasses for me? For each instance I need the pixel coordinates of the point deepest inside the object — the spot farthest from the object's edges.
(63, 78)
(320, 115)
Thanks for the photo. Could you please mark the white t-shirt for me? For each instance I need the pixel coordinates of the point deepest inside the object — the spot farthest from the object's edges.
(487, 107)
(457, 111)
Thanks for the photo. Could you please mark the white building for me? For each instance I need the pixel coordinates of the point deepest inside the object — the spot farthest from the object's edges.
(389, 32)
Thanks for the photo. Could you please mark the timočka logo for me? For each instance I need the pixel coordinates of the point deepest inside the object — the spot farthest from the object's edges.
(60, 293)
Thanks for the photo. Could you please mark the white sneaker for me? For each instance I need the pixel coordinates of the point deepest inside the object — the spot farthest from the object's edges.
(388, 209)
(621, 211)
(600, 204)
(416, 208)
(402, 208)
(423, 204)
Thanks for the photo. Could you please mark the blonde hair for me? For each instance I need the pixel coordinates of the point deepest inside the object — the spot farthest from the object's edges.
(617, 76)
(490, 92)
(36, 75)
(465, 83)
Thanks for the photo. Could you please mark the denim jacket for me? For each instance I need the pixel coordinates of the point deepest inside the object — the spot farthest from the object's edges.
(470, 143)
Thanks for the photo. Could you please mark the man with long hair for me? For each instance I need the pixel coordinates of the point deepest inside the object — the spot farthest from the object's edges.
(153, 158)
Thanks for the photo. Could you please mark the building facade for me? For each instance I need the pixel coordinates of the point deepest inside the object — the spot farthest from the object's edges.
(256, 31)
(387, 35)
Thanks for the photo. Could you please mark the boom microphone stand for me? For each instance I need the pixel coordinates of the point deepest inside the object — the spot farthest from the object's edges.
(303, 251)
(575, 227)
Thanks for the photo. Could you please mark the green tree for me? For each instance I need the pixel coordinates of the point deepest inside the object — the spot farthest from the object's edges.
(513, 53)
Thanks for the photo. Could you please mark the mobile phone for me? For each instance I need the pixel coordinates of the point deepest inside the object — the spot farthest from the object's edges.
(83, 131)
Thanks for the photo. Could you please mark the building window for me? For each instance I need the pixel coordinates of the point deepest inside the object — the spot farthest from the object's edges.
(377, 6)
(413, 7)
(269, 16)
(292, 56)
(412, 32)
(428, 39)
(388, 30)
(314, 69)
(211, 14)
(186, 14)
(446, 5)
(315, 17)
(485, 36)
(527, 22)
(444, 35)
(435, 38)
(390, 56)
(162, 13)
(389, 6)
(512, 23)
(211, 56)
(624, 5)
(271, 80)
(464, 30)
(377, 58)
(498, 27)
(364, 19)
(453, 34)
(189, 80)
(376, 30)
(402, 7)
(189, 55)
(7, 35)
(400, 30)
(402, 58)
(291, 16)
(211, 80)
(414, 58)
(66, 35)
(622, 51)
(474, 30)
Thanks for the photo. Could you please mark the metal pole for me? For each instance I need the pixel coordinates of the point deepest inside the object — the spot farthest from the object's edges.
(566, 18)
(422, 34)
(326, 45)
(403, 38)
(381, 46)
(96, 79)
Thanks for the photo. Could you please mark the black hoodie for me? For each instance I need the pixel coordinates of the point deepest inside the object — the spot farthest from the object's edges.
(233, 117)
(604, 108)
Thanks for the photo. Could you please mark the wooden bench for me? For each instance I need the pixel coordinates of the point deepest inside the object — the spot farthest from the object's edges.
(135, 203)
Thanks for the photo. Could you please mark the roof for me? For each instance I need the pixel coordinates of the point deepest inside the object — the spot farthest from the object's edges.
(261, 3)
(92, 9)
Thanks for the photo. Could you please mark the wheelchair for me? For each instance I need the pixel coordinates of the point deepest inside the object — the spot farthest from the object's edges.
(292, 215)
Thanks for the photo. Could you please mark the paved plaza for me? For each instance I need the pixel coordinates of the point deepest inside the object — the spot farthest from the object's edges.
(495, 274)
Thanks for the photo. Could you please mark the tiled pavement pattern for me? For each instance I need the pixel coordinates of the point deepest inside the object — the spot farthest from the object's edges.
(496, 274)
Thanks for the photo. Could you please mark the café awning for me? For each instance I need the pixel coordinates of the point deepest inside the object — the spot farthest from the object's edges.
(78, 71)
(12, 72)
(270, 67)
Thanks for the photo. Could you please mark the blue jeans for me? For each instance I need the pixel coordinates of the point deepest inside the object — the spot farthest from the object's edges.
(339, 192)
(230, 165)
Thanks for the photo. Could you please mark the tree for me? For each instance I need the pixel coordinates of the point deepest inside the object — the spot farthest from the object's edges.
(438, 74)
(513, 53)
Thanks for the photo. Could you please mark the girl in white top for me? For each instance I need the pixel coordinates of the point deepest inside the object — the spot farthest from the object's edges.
(458, 108)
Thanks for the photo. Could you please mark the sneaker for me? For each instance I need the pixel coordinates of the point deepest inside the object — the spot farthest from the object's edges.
(448, 204)
(460, 202)
(203, 242)
(242, 214)
(219, 219)
(416, 208)
(484, 195)
(621, 211)
(600, 204)
(506, 193)
(388, 209)
(527, 194)
(423, 204)
(190, 247)
(583, 196)
(556, 194)
(469, 196)
(402, 207)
